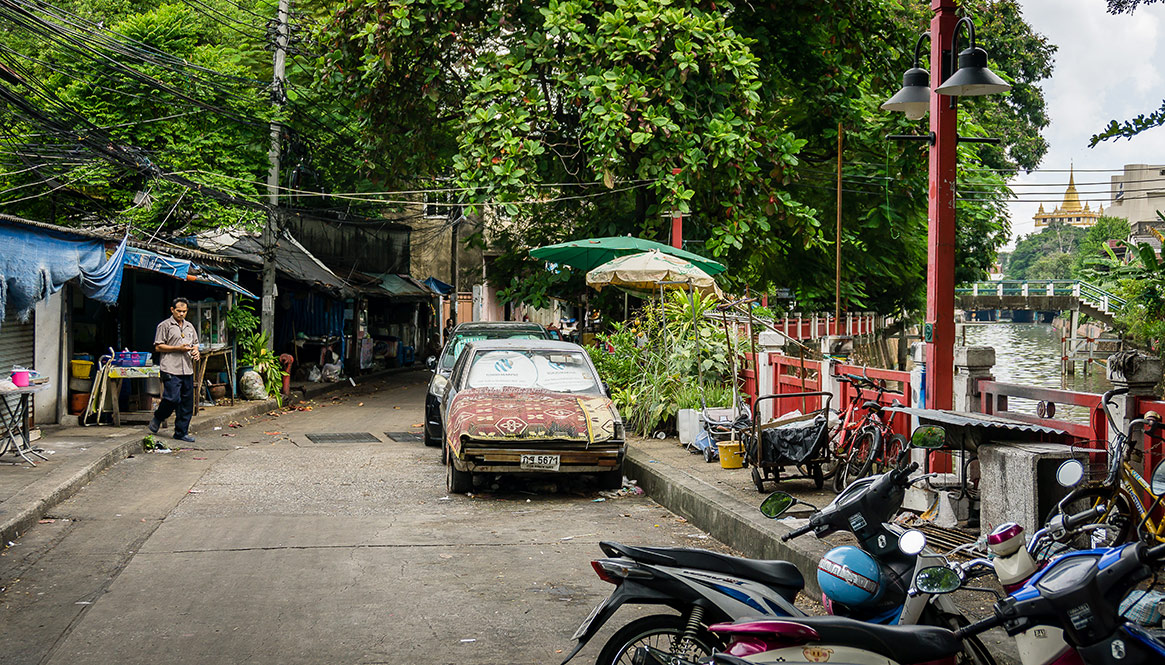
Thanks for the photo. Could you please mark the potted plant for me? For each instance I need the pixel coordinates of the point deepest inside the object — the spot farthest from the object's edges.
(242, 322)
(263, 361)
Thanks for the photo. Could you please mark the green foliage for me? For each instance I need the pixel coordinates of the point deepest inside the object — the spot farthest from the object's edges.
(575, 112)
(667, 358)
(1095, 240)
(241, 319)
(1056, 238)
(260, 358)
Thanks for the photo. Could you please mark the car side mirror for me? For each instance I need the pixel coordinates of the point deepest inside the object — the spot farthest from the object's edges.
(606, 388)
(776, 504)
(431, 363)
(929, 437)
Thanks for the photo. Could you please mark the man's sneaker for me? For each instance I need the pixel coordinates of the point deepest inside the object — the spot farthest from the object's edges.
(185, 437)
(154, 425)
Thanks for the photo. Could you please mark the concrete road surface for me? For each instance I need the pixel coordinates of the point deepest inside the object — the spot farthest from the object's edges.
(260, 546)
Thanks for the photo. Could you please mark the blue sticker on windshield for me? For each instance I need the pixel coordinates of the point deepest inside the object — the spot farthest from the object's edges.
(504, 365)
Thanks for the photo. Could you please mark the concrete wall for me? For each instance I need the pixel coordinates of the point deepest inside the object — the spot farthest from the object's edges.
(1138, 193)
(52, 358)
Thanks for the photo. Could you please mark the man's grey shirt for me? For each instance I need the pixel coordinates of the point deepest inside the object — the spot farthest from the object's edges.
(171, 333)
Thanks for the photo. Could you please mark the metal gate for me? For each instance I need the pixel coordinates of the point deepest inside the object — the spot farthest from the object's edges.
(17, 347)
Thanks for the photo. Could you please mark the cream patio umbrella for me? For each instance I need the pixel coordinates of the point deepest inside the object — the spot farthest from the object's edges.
(650, 272)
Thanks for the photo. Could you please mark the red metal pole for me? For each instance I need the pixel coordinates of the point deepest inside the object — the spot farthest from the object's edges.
(940, 272)
(677, 222)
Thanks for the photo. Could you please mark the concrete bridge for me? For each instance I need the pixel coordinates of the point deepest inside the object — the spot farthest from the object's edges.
(1041, 295)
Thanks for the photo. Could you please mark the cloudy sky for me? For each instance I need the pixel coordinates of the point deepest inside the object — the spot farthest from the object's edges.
(1107, 68)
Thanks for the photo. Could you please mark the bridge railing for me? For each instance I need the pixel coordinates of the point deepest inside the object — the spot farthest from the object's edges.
(995, 401)
(1043, 287)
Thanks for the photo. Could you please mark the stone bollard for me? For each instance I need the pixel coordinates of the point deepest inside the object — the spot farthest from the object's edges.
(1139, 373)
(835, 349)
(972, 364)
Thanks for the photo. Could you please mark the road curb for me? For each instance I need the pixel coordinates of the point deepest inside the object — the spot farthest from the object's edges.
(725, 518)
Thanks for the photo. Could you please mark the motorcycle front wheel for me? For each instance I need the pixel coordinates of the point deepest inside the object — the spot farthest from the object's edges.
(661, 631)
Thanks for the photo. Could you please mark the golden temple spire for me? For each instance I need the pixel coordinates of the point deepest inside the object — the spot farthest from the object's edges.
(1071, 197)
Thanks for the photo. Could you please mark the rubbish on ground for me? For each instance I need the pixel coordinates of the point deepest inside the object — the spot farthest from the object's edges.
(194, 491)
(234, 423)
(217, 428)
(468, 640)
(272, 433)
(592, 500)
(360, 404)
(46, 521)
(199, 458)
(418, 424)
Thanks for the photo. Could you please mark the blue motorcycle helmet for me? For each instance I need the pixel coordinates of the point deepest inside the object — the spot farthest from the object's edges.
(850, 576)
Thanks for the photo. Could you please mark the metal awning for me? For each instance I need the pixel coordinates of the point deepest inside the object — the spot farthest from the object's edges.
(291, 258)
(976, 420)
(403, 287)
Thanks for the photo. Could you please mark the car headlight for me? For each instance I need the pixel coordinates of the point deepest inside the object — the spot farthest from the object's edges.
(440, 383)
(619, 432)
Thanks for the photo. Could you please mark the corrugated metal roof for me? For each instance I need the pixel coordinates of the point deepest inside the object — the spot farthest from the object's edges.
(982, 420)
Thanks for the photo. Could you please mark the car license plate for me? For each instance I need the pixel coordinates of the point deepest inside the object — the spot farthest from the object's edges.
(540, 462)
(587, 621)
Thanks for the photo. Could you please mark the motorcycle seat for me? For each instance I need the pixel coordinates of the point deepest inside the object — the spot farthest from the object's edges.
(872, 406)
(781, 575)
(904, 644)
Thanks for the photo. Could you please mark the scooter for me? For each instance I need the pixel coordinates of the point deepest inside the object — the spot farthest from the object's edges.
(871, 582)
(1068, 610)
(706, 587)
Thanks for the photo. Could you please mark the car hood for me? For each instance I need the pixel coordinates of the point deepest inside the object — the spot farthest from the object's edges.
(531, 414)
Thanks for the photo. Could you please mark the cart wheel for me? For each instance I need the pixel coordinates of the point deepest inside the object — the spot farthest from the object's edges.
(757, 480)
(708, 454)
(818, 475)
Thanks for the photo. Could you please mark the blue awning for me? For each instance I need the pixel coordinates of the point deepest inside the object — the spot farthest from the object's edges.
(438, 286)
(179, 269)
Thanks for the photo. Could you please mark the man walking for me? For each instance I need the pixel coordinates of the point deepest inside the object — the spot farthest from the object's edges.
(177, 342)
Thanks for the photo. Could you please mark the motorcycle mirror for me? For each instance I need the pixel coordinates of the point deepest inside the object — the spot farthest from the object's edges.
(431, 362)
(937, 579)
(1157, 480)
(1070, 473)
(776, 504)
(912, 542)
(929, 437)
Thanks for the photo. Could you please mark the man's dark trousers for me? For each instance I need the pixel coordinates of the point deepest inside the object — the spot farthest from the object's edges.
(177, 398)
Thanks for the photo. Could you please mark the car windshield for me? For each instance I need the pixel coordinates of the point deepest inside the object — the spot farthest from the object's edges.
(456, 345)
(558, 371)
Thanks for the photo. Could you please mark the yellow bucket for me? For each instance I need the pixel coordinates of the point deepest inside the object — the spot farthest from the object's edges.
(731, 454)
(81, 369)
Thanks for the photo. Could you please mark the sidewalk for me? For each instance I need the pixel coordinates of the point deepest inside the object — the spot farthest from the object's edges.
(77, 454)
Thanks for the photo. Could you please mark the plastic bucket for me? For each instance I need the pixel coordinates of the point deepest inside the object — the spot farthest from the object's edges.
(731, 454)
(20, 378)
(81, 369)
(78, 402)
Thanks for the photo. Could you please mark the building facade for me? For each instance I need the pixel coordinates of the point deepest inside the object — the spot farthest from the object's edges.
(1138, 195)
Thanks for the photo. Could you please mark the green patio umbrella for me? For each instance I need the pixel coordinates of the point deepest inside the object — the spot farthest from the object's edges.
(590, 253)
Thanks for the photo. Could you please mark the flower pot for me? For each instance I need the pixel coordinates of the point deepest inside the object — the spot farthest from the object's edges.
(218, 391)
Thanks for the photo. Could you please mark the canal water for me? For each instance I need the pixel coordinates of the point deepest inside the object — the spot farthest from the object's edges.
(1029, 354)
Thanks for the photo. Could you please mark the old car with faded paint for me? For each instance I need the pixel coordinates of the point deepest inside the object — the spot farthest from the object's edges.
(529, 406)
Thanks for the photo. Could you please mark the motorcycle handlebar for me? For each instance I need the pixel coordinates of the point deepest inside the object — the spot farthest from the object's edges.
(979, 627)
(902, 475)
(1073, 521)
(797, 532)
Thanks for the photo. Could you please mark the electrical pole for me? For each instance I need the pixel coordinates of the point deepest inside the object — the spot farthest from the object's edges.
(271, 230)
(453, 263)
(837, 249)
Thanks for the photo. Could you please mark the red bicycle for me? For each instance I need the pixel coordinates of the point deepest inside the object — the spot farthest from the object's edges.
(864, 437)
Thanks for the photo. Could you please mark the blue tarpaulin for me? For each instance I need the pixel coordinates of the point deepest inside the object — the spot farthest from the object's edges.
(36, 263)
(146, 260)
(438, 286)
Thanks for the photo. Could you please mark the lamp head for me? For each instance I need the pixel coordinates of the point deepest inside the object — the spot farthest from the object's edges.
(913, 98)
(973, 78)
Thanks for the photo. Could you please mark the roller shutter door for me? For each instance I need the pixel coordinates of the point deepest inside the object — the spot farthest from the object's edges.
(17, 347)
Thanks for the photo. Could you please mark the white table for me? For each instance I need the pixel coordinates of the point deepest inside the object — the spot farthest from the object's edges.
(14, 421)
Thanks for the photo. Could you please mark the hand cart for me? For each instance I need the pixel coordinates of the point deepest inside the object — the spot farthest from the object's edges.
(803, 442)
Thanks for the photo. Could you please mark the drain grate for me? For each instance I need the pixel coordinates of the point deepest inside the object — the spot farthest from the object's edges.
(342, 437)
(405, 437)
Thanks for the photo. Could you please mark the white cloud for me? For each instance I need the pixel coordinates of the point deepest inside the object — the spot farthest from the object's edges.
(1107, 68)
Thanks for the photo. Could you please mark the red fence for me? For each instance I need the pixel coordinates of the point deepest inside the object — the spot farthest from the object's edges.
(815, 326)
(897, 392)
(994, 401)
(795, 375)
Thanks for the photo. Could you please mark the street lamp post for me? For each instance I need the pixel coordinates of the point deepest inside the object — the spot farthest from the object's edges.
(970, 77)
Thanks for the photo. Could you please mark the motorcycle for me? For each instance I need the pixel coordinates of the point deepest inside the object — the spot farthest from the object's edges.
(706, 587)
(1068, 610)
(871, 582)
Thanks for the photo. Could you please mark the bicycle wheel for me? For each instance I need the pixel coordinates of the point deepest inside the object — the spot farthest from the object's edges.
(888, 459)
(860, 460)
(1113, 527)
